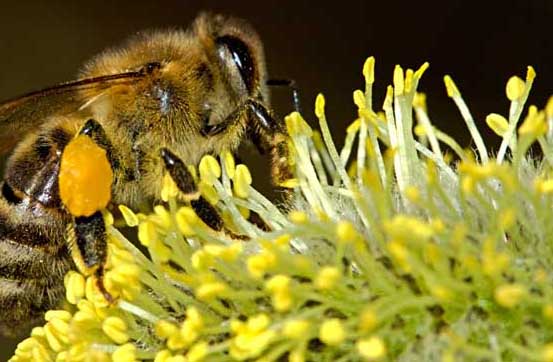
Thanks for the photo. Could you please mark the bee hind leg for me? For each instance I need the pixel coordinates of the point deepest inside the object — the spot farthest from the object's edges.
(88, 153)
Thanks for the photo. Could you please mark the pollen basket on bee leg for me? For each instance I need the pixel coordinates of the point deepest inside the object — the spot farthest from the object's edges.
(85, 177)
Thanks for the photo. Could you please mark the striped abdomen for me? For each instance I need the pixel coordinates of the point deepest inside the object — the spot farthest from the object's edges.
(33, 254)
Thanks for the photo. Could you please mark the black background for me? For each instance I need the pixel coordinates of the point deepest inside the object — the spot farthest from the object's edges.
(481, 44)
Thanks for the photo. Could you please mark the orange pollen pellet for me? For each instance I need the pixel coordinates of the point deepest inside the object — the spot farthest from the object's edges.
(85, 177)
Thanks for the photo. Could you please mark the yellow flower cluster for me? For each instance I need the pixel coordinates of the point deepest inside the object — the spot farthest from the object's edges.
(391, 248)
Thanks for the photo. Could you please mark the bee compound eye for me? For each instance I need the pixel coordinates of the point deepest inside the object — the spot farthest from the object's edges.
(241, 57)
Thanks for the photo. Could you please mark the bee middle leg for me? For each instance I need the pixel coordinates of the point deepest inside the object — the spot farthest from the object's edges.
(187, 186)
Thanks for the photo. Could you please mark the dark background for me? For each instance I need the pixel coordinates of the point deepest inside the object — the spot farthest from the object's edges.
(323, 47)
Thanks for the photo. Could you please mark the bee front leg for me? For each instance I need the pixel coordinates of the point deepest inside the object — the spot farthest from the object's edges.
(270, 135)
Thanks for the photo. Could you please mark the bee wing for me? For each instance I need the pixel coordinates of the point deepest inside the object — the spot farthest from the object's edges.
(20, 115)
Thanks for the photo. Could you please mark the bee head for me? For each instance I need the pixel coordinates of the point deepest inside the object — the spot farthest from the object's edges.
(238, 53)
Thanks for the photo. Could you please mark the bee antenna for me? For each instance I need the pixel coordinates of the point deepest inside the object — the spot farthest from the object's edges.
(291, 84)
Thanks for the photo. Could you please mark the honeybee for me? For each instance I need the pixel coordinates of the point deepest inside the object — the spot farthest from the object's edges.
(156, 104)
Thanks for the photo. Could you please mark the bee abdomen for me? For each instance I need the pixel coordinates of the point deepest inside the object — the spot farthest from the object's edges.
(23, 303)
(33, 262)
(33, 253)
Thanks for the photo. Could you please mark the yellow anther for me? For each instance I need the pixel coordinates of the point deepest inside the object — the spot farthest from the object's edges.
(201, 260)
(409, 80)
(163, 216)
(232, 252)
(419, 130)
(79, 352)
(290, 183)
(251, 338)
(197, 352)
(186, 219)
(368, 320)
(210, 170)
(547, 352)
(534, 124)
(278, 283)
(40, 354)
(53, 338)
(327, 278)
(509, 295)
(85, 177)
(147, 233)
(61, 328)
(413, 194)
(544, 186)
(320, 106)
(242, 181)
(530, 74)
(258, 322)
(125, 353)
(389, 97)
(209, 192)
(368, 70)
(227, 159)
(404, 227)
(296, 329)
(419, 73)
(93, 294)
(547, 311)
(163, 356)
(116, 329)
(497, 123)
(451, 88)
(57, 314)
(399, 80)
(441, 293)
(345, 231)
(372, 348)
(367, 115)
(507, 218)
(296, 125)
(169, 189)
(332, 332)
(37, 332)
(359, 99)
(419, 101)
(210, 290)
(282, 301)
(108, 217)
(515, 88)
(194, 318)
(549, 108)
(130, 217)
(354, 126)
(298, 217)
(279, 286)
(259, 264)
(400, 254)
(165, 329)
(541, 276)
